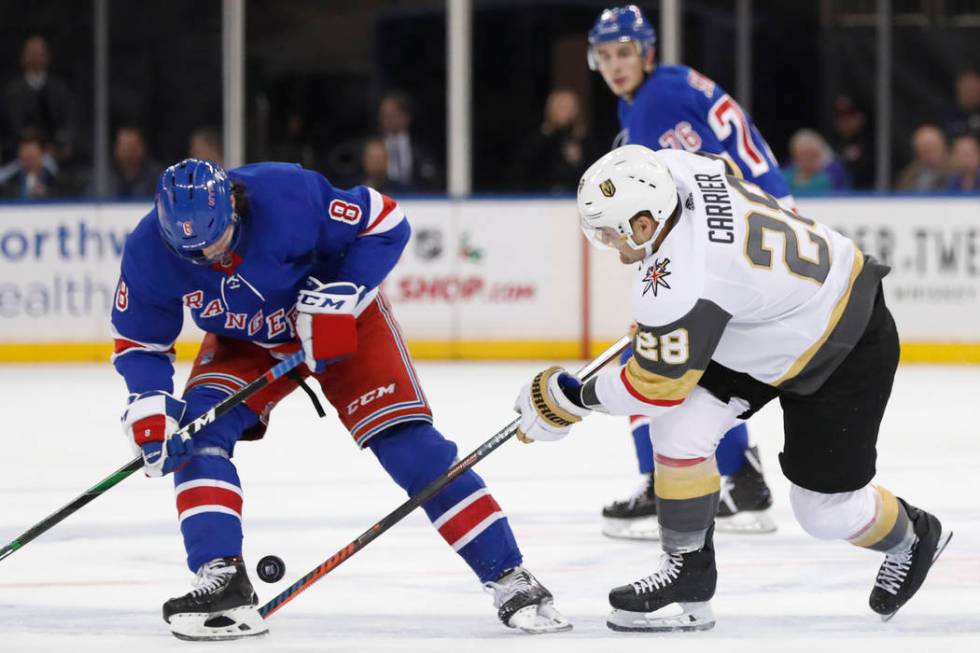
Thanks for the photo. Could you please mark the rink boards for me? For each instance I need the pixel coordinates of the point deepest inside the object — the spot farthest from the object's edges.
(490, 278)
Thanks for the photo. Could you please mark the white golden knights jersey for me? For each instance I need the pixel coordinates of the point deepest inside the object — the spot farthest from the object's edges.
(739, 280)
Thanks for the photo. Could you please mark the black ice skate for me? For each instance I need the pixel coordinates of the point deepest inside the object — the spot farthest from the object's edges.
(522, 602)
(634, 518)
(685, 579)
(221, 606)
(901, 575)
(743, 506)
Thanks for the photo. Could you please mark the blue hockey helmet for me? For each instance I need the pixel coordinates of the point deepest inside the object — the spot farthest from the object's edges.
(194, 208)
(620, 24)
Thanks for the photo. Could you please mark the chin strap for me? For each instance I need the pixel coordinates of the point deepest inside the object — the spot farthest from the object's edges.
(657, 236)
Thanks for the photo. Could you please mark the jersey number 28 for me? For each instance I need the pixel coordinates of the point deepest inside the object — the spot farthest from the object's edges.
(774, 218)
(672, 348)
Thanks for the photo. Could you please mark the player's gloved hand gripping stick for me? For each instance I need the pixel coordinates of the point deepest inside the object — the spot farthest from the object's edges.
(435, 486)
(185, 434)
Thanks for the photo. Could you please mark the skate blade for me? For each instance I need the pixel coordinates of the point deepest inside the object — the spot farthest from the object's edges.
(940, 547)
(641, 528)
(237, 623)
(540, 620)
(690, 617)
(747, 523)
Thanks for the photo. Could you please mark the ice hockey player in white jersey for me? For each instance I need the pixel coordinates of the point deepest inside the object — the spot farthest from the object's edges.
(761, 304)
(664, 106)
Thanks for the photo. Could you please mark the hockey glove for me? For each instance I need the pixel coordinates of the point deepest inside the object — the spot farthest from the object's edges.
(150, 423)
(547, 411)
(325, 323)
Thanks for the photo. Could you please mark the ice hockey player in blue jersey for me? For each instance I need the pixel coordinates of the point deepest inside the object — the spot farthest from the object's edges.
(268, 258)
(675, 107)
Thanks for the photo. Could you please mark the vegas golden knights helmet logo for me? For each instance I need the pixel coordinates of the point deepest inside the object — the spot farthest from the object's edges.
(607, 188)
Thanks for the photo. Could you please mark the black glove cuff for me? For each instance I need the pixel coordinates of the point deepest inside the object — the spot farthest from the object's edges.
(587, 395)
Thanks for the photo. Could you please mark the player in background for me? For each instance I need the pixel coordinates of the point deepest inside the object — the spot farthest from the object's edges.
(675, 107)
(269, 258)
(762, 304)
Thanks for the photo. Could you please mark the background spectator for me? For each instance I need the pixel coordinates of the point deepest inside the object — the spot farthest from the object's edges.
(409, 162)
(929, 170)
(294, 145)
(374, 163)
(559, 151)
(813, 168)
(964, 116)
(205, 143)
(965, 164)
(35, 99)
(28, 177)
(133, 173)
(853, 143)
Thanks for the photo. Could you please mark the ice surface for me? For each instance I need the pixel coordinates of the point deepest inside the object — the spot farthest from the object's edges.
(96, 582)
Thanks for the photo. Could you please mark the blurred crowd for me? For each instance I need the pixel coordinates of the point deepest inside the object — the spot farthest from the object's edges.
(945, 156)
(39, 156)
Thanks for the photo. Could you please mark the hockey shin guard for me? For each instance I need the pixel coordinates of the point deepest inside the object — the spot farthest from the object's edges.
(687, 500)
(464, 512)
(209, 493)
(209, 506)
(871, 517)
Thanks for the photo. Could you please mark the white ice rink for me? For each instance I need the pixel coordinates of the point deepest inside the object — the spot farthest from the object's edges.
(96, 582)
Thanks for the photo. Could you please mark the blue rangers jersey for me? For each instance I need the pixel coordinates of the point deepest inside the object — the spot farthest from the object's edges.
(678, 108)
(296, 225)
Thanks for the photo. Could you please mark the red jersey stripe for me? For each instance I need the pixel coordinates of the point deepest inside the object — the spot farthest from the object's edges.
(122, 345)
(388, 205)
(678, 462)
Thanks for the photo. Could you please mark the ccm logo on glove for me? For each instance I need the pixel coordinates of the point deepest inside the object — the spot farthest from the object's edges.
(326, 323)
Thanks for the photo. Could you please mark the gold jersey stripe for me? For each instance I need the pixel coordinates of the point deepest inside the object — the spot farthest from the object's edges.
(655, 387)
(835, 315)
(886, 514)
(689, 482)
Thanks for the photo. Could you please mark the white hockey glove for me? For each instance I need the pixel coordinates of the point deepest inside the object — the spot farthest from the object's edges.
(546, 411)
(150, 422)
(326, 324)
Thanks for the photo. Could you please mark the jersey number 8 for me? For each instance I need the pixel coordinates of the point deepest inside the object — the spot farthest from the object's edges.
(344, 212)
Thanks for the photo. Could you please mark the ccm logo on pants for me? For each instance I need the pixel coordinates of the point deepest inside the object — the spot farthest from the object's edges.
(370, 396)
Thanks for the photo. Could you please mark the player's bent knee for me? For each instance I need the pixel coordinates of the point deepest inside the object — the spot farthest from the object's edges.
(831, 516)
(225, 431)
(413, 453)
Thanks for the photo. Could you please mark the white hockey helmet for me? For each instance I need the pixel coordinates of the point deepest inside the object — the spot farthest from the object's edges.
(624, 182)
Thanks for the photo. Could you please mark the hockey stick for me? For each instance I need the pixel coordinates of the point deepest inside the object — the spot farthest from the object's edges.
(414, 502)
(216, 411)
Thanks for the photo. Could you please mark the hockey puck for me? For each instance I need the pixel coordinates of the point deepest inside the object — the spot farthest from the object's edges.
(271, 569)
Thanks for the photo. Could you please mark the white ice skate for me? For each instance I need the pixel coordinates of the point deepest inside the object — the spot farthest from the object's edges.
(523, 602)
